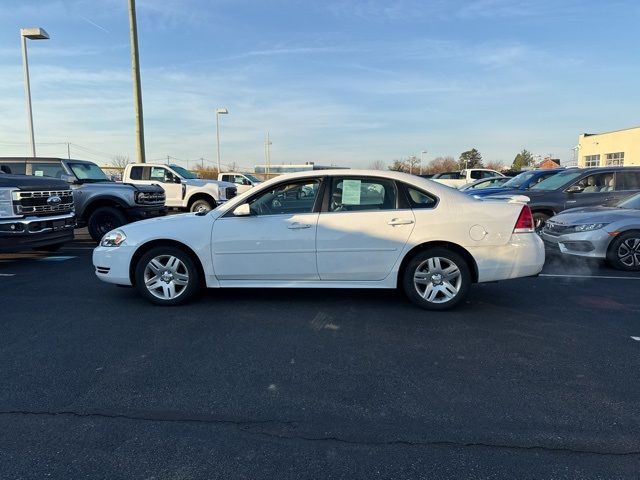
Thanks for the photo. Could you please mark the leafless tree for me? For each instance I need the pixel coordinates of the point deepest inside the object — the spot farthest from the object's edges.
(378, 165)
(120, 161)
(442, 164)
(496, 165)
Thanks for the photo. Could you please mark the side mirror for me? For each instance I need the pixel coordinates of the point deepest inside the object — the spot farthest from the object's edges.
(68, 178)
(242, 210)
(575, 189)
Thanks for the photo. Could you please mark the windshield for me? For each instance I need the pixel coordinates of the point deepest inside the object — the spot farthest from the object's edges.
(183, 172)
(253, 178)
(88, 172)
(556, 181)
(519, 180)
(631, 202)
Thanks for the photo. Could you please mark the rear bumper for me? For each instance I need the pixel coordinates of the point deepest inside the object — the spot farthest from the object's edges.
(35, 232)
(523, 256)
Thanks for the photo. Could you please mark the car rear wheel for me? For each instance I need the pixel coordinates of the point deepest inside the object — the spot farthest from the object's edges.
(437, 279)
(103, 220)
(624, 251)
(167, 276)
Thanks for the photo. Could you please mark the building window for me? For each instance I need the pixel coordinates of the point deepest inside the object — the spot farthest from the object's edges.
(592, 161)
(615, 159)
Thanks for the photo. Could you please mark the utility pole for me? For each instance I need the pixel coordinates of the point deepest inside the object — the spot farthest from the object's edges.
(267, 154)
(69, 150)
(422, 154)
(135, 73)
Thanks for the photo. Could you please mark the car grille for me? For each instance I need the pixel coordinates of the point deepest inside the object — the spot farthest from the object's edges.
(44, 202)
(556, 229)
(230, 192)
(152, 198)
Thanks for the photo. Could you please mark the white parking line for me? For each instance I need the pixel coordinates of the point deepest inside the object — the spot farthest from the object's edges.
(57, 258)
(637, 339)
(587, 276)
(7, 274)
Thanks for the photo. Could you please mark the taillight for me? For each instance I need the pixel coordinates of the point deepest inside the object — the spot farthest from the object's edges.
(524, 224)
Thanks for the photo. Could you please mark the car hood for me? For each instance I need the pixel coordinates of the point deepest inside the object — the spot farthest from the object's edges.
(116, 186)
(576, 216)
(27, 182)
(200, 182)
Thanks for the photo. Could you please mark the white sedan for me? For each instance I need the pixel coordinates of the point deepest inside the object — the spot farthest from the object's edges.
(329, 229)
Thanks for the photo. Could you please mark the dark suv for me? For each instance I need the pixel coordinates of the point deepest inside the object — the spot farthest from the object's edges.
(580, 187)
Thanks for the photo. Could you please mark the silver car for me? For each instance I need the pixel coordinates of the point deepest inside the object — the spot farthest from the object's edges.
(611, 233)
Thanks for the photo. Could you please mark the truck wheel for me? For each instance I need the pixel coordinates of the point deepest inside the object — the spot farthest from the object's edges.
(167, 275)
(103, 220)
(201, 205)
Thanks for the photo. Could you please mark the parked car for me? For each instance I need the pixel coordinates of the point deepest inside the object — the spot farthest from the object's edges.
(484, 184)
(183, 189)
(35, 213)
(580, 187)
(358, 229)
(611, 233)
(458, 179)
(242, 181)
(523, 181)
(101, 205)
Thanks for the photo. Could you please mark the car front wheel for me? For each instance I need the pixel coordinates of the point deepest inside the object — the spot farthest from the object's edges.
(624, 251)
(437, 279)
(167, 276)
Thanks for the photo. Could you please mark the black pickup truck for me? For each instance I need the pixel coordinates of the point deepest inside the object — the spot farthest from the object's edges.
(35, 213)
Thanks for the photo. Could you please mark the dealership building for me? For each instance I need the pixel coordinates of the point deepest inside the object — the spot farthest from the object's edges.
(620, 147)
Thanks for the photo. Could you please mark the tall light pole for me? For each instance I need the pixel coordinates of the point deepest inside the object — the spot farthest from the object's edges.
(137, 89)
(31, 34)
(422, 154)
(219, 111)
(267, 154)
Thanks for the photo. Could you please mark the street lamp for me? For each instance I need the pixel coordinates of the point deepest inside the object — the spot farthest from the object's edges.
(219, 111)
(31, 34)
(422, 154)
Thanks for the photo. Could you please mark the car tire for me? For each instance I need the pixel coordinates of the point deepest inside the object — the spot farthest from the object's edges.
(167, 275)
(437, 279)
(624, 251)
(539, 219)
(103, 220)
(201, 205)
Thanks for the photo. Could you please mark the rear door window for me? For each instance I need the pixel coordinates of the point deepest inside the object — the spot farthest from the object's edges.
(627, 181)
(18, 168)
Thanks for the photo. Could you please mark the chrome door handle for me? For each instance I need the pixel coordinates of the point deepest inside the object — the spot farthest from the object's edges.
(298, 226)
(571, 201)
(400, 221)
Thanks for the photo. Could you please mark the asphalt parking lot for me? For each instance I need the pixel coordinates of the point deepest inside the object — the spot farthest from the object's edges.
(531, 378)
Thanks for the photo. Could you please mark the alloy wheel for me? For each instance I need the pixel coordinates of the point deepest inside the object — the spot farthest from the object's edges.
(629, 252)
(437, 280)
(166, 277)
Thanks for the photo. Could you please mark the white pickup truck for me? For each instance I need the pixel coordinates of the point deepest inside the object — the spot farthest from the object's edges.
(458, 179)
(183, 189)
(243, 181)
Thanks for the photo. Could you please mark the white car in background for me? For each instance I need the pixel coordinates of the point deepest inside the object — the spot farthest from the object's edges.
(331, 229)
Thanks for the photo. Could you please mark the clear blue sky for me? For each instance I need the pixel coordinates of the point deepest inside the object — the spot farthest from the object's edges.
(340, 82)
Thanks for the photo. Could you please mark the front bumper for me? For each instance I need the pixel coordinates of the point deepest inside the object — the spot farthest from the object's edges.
(112, 263)
(142, 212)
(35, 232)
(592, 244)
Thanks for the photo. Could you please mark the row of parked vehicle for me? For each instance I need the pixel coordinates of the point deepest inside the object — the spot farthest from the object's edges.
(42, 200)
(591, 212)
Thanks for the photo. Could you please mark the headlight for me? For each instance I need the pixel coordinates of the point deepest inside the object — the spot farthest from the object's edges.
(140, 197)
(588, 227)
(6, 202)
(113, 239)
